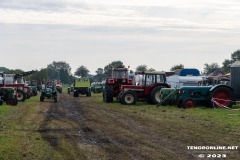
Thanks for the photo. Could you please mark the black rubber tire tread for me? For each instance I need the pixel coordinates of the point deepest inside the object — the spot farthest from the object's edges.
(127, 93)
(179, 103)
(153, 100)
(11, 102)
(75, 94)
(109, 93)
(103, 94)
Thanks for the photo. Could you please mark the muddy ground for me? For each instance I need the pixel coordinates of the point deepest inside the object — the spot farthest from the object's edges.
(101, 133)
(83, 128)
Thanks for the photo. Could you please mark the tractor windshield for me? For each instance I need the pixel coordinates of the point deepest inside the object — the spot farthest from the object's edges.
(151, 79)
(120, 74)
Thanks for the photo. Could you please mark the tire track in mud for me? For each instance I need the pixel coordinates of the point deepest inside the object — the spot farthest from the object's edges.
(149, 138)
(67, 120)
(61, 123)
(95, 132)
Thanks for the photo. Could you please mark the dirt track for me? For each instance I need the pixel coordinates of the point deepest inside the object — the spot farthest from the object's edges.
(85, 128)
(95, 132)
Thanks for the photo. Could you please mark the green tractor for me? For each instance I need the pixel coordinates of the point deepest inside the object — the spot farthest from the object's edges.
(8, 94)
(33, 87)
(97, 87)
(81, 86)
(48, 92)
(190, 96)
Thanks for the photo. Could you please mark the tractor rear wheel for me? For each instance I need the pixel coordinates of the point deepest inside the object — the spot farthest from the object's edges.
(11, 102)
(155, 95)
(21, 96)
(108, 93)
(189, 103)
(222, 96)
(34, 93)
(179, 103)
(129, 98)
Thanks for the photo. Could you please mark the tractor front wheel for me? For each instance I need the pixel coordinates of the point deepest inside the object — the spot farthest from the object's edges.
(21, 96)
(129, 98)
(75, 94)
(108, 95)
(11, 102)
(189, 103)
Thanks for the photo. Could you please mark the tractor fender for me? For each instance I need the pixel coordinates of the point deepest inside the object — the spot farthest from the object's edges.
(220, 85)
(163, 85)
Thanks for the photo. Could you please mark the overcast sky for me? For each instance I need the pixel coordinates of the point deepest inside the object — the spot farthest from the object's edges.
(93, 33)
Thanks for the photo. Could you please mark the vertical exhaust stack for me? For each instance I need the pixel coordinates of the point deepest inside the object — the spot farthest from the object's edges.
(235, 78)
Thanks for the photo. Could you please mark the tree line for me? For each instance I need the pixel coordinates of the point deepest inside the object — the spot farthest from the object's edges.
(62, 71)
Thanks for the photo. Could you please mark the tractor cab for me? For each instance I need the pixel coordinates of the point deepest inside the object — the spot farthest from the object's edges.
(120, 73)
(147, 88)
(113, 84)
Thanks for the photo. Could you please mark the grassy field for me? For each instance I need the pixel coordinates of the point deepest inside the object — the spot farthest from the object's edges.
(20, 137)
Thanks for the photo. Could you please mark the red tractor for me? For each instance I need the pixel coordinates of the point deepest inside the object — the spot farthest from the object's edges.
(147, 88)
(113, 84)
(16, 81)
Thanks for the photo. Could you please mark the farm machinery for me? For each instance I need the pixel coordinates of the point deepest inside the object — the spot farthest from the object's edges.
(147, 89)
(48, 91)
(33, 87)
(221, 95)
(190, 96)
(96, 87)
(112, 86)
(80, 86)
(8, 95)
(16, 81)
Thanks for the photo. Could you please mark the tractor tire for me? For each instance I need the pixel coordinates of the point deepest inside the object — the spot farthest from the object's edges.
(129, 98)
(21, 96)
(11, 102)
(223, 96)
(103, 94)
(69, 91)
(75, 94)
(109, 93)
(155, 95)
(34, 93)
(15, 100)
(189, 103)
(41, 98)
(88, 93)
(120, 97)
(179, 103)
